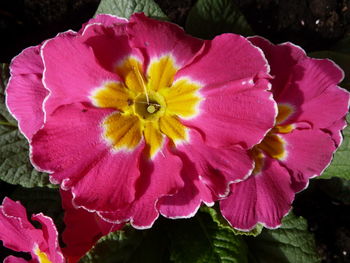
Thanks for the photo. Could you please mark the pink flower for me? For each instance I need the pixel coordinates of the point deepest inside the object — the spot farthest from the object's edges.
(18, 234)
(83, 230)
(136, 118)
(312, 111)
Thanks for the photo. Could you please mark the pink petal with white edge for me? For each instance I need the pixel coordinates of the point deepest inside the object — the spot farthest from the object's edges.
(335, 131)
(263, 198)
(217, 167)
(71, 146)
(306, 84)
(309, 152)
(104, 40)
(12, 259)
(71, 71)
(83, 229)
(156, 38)
(51, 248)
(106, 20)
(159, 177)
(326, 109)
(18, 234)
(25, 92)
(286, 54)
(226, 58)
(237, 112)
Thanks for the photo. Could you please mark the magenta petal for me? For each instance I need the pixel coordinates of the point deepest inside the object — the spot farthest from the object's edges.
(282, 59)
(51, 248)
(71, 146)
(83, 229)
(18, 234)
(156, 38)
(238, 112)
(15, 230)
(71, 71)
(25, 92)
(104, 19)
(226, 58)
(263, 198)
(309, 152)
(217, 167)
(12, 259)
(161, 177)
(104, 40)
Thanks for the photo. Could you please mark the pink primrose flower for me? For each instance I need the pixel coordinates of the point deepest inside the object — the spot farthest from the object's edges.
(311, 115)
(136, 118)
(18, 234)
(83, 229)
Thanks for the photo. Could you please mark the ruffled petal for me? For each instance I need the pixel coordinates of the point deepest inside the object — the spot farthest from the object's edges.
(71, 71)
(72, 147)
(25, 92)
(238, 112)
(156, 38)
(286, 54)
(104, 19)
(110, 45)
(83, 229)
(217, 167)
(309, 152)
(160, 177)
(226, 58)
(263, 198)
(16, 232)
(12, 259)
(51, 249)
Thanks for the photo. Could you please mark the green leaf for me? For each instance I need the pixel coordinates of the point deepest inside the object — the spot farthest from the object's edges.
(290, 243)
(340, 166)
(202, 240)
(130, 246)
(222, 222)
(209, 18)
(15, 167)
(125, 8)
(340, 58)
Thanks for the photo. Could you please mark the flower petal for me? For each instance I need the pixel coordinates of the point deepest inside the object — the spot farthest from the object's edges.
(122, 131)
(71, 71)
(309, 152)
(156, 38)
(173, 128)
(71, 146)
(226, 58)
(25, 92)
(236, 113)
(153, 137)
(83, 229)
(50, 233)
(160, 177)
(182, 98)
(106, 20)
(16, 232)
(217, 167)
(12, 259)
(262, 198)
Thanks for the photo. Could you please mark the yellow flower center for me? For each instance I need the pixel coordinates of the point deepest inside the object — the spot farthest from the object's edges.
(42, 257)
(273, 144)
(148, 106)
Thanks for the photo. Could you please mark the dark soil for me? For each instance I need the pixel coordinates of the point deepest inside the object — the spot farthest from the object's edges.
(313, 24)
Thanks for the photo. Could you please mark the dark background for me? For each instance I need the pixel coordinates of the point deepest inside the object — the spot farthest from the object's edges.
(313, 24)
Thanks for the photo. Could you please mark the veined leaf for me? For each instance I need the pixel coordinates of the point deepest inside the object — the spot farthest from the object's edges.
(125, 8)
